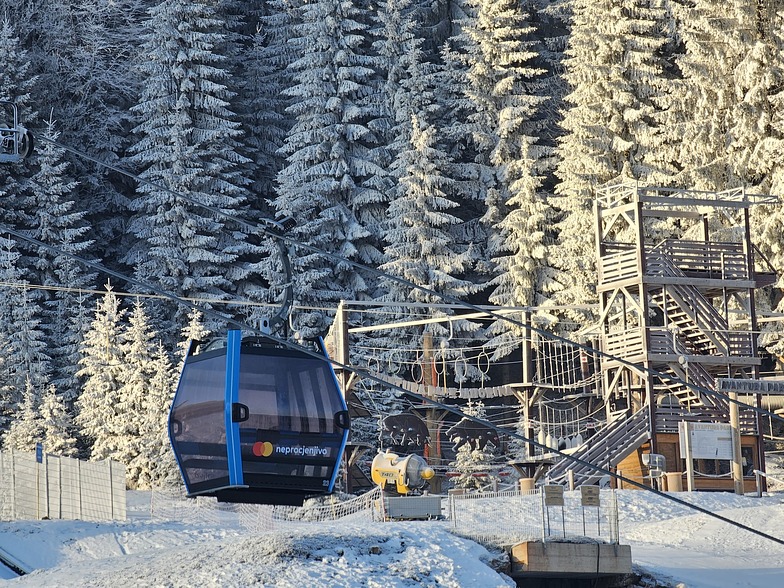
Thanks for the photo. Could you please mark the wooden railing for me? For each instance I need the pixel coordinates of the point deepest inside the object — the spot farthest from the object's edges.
(628, 343)
(722, 261)
(607, 448)
(686, 305)
(618, 266)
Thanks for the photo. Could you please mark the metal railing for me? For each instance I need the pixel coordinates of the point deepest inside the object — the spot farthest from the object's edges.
(758, 475)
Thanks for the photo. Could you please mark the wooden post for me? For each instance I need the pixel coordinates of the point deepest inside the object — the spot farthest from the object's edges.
(430, 381)
(341, 347)
(46, 485)
(753, 328)
(687, 452)
(527, 375)
(737, 456)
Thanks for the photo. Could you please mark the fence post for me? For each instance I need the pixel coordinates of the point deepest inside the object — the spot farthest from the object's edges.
(13, 486)
(46, 483)
(79, 484)
(60, 487)
(571, 479)
(615, 536)
(111, 491)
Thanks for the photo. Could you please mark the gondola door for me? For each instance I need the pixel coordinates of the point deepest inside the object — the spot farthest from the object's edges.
(291, 423)
(234, 412)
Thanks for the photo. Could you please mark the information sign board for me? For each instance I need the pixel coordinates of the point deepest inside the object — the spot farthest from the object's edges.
(553, 495)
(706, 440)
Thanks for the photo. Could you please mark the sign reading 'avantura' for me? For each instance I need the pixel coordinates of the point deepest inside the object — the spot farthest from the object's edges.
(745, 385)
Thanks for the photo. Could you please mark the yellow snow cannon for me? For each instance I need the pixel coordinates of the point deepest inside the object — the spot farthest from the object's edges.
(400, 474)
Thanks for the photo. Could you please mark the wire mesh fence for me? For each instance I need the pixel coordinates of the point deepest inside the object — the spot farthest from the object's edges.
(60, 488)
(495, 518)
(505, 518)
(173, 505)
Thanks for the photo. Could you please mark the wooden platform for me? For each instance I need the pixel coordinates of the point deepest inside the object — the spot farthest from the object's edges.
(537, 559)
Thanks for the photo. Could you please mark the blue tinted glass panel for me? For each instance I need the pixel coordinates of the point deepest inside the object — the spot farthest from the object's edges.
(197, 421)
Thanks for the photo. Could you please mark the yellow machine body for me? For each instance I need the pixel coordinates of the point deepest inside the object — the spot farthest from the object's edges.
(401, 474)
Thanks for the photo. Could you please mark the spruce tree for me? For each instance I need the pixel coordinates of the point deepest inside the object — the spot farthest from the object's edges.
(155, 462)
(326, 185)
(57, 425)
(26, 429)
(136, 350)
(83, 53)
(265, 81)
(498, 43)
(10, 393)
(610, 125)
(702, 106)
(17, 83)
(420, 246)
(188, 143)
(54, 219)
(25, 352)
(473, 461)
(102, 372)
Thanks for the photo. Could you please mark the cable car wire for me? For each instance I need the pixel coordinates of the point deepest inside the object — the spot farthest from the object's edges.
(360, 372)
(272, 230)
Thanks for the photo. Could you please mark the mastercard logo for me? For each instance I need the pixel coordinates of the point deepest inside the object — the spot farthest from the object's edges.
(262, 449)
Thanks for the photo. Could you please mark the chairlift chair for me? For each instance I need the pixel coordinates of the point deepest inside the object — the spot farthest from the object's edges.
(16, 142)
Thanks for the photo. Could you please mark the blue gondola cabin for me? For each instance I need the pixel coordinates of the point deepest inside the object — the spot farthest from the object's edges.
(258, 422)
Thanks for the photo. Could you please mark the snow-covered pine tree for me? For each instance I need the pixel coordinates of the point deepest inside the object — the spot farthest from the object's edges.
(188, 142)
(263, 113)
(10, 394)
(26, 427)
(498, 44)
(136, 352)
(28, 349)
(473, 462)
(420, 247)
(57, 428)
(82, 50)
(327, 183)
(701, 107)
(263, 78)
(615, 76)
(756, 138)
(155, 462)
(193, 331)
(101, 371)
(762, 70)
(407, 97)
(52, 217)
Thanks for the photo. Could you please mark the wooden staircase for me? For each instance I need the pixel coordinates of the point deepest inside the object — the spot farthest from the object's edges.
(606, 449)
(704, 330)
(692, 373)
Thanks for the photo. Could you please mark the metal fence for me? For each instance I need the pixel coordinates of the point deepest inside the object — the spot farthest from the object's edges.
(60, 488)
(172, 505)
(495, 518)
(506, 518)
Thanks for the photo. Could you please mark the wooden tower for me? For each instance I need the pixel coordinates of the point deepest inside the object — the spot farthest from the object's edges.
(677, 272)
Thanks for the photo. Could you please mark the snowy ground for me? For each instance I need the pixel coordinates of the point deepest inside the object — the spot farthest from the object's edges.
(670, 542)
